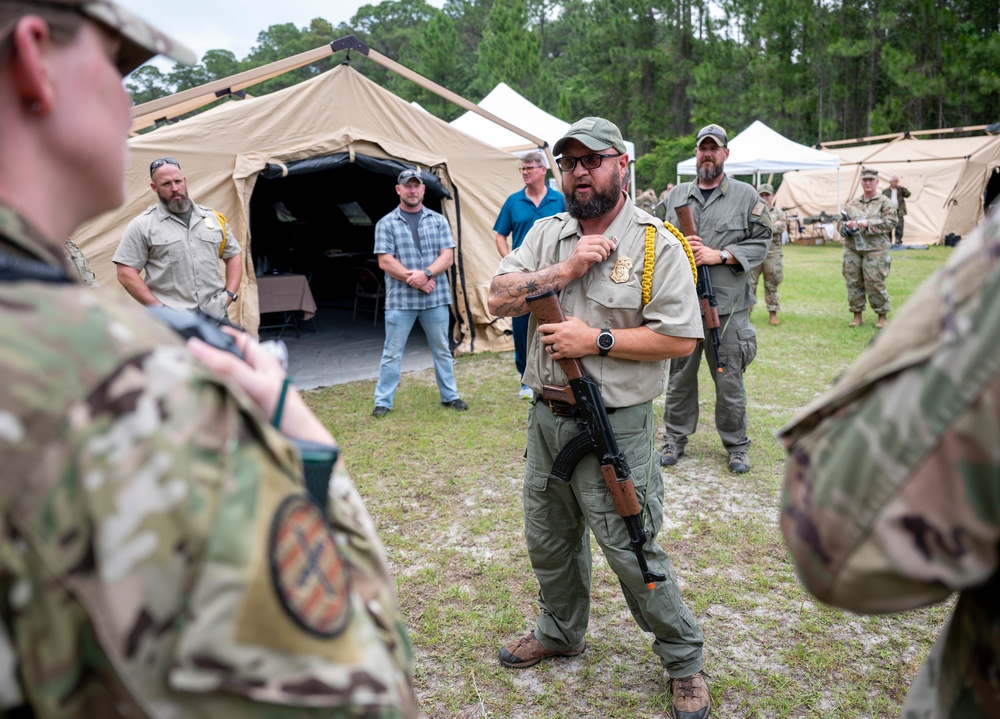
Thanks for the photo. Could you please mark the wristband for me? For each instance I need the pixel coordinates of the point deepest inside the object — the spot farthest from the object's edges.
(281, 401)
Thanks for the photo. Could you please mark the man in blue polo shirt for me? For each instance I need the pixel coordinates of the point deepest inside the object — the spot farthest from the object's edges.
(518, 214)
(415, 248)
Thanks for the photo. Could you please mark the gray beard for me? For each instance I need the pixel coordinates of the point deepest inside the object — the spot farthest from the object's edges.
(708, 175)
(597, 206)
(179, 205)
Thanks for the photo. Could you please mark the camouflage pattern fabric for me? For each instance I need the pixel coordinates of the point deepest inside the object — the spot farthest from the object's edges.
(773, 266)
(78, 261)
(140, 40)
(867, 261)
(159, 554)
(646, 200)
(890, 499)
(865, 274)
(881, 216)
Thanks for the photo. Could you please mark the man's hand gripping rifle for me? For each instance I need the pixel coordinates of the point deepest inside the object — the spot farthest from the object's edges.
(706, 293)
(597, 436)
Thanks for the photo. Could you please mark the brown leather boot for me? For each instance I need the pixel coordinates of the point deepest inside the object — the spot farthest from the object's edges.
(882, 322)
(691, 699)
(773, 319)
(856, 322)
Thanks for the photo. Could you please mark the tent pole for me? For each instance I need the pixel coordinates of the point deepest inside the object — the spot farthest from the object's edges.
(149, 113)
(350, 42)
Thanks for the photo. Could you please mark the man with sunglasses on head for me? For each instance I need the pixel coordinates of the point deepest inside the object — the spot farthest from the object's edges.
(161, 554)
(734, 235)
(627, 289)
(179, 245)
(518, 214)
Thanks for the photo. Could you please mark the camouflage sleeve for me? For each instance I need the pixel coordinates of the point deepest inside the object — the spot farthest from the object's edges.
(170, 561)
(77, 260)
(886, 217)
(890, 498)
(778, 220)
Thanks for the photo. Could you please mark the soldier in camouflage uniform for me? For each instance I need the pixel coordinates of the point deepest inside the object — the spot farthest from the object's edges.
(160, 555)
(773, 267)
(77, 260)
(890, 499)
(867, 259)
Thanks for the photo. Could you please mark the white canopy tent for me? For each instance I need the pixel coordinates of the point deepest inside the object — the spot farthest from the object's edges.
(760, 150)
(508, 104)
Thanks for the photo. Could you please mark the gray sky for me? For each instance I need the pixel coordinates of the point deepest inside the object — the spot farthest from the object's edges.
(207, 24)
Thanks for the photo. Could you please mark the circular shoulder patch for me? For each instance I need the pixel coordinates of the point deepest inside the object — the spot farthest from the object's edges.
(309, 576)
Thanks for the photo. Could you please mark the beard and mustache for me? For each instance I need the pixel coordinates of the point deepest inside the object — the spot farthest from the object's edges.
(178, 205)
(708, 170)
(601, 202)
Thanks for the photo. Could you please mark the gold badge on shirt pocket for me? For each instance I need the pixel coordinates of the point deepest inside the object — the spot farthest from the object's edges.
(622, 270)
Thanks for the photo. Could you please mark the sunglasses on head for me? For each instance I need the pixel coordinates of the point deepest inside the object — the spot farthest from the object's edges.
(157, 164)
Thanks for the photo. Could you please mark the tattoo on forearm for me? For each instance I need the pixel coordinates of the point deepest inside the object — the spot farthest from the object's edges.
(519, 285)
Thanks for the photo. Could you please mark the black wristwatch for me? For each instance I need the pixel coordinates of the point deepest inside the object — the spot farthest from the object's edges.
(232, 295)
(605, 341)
(428, 272)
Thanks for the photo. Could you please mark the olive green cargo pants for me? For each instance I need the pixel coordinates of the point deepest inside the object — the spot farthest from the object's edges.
(556, 518)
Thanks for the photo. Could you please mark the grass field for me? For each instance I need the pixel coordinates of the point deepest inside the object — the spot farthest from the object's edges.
(445, 491)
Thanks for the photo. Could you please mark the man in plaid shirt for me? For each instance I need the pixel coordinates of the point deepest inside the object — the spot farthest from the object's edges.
(415, 248)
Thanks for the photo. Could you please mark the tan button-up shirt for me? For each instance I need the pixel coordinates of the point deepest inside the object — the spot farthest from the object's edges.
(600, 301)
(182, 263)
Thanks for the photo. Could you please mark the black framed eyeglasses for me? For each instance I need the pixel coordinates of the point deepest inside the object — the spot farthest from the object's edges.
(590, 162)
(528, 168)
(157, 164)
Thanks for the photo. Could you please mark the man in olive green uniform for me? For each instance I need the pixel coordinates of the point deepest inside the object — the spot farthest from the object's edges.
(866, 262)
(734, 234)
(890, 500)
(773, 267)
(594, 256)
(160, 555)
(897, 195)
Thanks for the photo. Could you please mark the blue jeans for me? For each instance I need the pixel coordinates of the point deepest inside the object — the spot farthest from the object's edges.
(398, 324)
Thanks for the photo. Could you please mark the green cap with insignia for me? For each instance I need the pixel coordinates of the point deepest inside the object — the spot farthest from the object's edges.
(594, 133)
(766, 189)
(868, 172)
(140, 40)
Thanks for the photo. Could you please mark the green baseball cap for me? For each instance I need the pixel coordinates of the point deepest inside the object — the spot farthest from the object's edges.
(140, 40)
(716, 132)
(765, 189)
(869, 172)
(595, 133)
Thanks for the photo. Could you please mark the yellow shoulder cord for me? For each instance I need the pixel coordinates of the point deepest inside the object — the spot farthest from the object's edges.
(225, 231)
(647, 269)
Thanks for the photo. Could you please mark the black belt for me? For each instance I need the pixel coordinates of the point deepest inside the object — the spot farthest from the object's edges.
(565, 409)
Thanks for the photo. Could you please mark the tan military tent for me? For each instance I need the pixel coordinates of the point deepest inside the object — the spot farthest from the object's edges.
(946, 179)
(298, 172)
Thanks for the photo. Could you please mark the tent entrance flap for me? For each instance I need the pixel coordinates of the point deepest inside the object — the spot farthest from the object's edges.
(318, 220)
(392, 168)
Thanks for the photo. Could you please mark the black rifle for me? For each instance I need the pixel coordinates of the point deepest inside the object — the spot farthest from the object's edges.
(596, 436)
(706, 293)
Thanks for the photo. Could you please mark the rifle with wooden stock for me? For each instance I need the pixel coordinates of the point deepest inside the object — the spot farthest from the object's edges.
(596, 436)
(706, 293)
